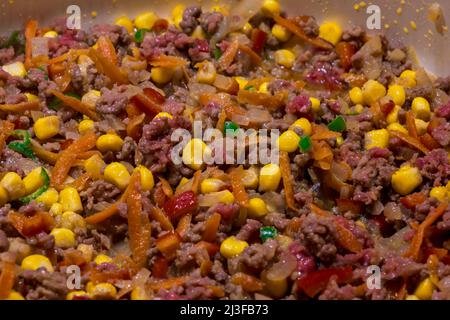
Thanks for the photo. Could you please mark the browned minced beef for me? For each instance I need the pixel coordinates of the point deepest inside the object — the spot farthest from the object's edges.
(4, 242)
(210, 21)
(99, 191)
(190, 19)
(435, 166)
(256, 256)
(442, 134)
(43, 285)
(112, 101)
(169, 42)
(6, 55)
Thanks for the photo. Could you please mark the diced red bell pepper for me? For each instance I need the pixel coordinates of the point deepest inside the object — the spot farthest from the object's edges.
(181, 205)
(345, 205)
(258, 40)
(212, 248)
(160, 267)
(150, 101)
(412, 200)
(316, 281)
(429, 142)
(30, 226)
(387, 107)
(160, 25)
(345, 51)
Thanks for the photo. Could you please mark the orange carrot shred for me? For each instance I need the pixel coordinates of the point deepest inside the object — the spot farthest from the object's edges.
(159, 215)
(169, 283)
(30, 33)
(239, 192)
(20, 107)
(6, 128)
(106, 67)
(196, 181)
(7, 278)
(228, 56)
(184, 224)
(166, 187)
(106, 48)
(413, 142)
(285, 166)
(76, 104)
(252, 54)
(165, 61)
(411, 125)
(211, 227)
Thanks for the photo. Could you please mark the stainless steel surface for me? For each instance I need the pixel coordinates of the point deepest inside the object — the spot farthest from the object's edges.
(431, 47)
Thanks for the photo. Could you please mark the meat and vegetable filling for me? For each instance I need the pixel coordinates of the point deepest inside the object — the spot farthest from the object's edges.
(93, 205)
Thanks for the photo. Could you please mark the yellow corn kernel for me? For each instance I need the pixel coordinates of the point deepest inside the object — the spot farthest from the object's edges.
(285, 58)
(232, 247)
(35, 262)
(424, 290)
(46, 127)
(421, 108)
(315, 104)
(85, 126)
(64, 238)
(3, 196)
(194, 152)
(373, 91)
(421, 126)
(439, 193)
(330, 31)
(71, 220)
(103, 290)
(247, 28)
(242, 82)
(281, 33)
(14, 295)
(397, 127)
(138, 293)
(406, 179)
(263, 88)
(117, 174)
(397, 93)
(211, 185)
(87, 250)
(161, 75)
(79, 293)
(220, 8)
(177, 14)
(33, 180)
(305, 125)
(392, 117)
(182, 182)
(31, 97)
(90, 98)
(250, 178)
(198, 33)
(288, 141)
(409, 78)
(271, 7)
(377, 138)
(125, 22)
(94, 165)
(356, 95)
(103, 258)
(163, 115)
(48, 198)
(109, 142)
(145, 20)
(358, 108)
(206, 72)
(16, 69)
(13, 184)
(257, 208)
(56, 209)
(50, 34)
(70, 200)
(284, 241)
(412, 297)
(147, 181)
(269, 177)
(224, 196)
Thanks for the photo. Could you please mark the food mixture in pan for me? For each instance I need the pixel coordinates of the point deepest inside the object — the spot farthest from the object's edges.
(93, 205)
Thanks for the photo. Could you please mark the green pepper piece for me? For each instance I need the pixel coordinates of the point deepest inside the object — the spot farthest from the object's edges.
(54, 103)
(39, 191)
(22, 147)
(230, 126)
(338, 124)
(266, 233)
(250, 88)
(305, 144)
(139, 35)
(217, 53)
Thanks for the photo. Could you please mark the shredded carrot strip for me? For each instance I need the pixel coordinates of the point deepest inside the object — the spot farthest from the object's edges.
(228, 56)
(166, 187)
(41, 153)
(105, 66)
(105, 214)
(20, 107)
(345, 237)
(211, 227)
(322, 154)
(65, 56)
(169, 283)
(7, 278)
(322, 133)
(165, 61)
(68, 157)
(272, 102)
(139, 229)
(159, 215)
(30, 33)
(184, 225)
(295, 29)
(106, 49)
(416, 243)
(221, 121)
(247, 282)
(81, 181)
(239, 192)
(285, 166)
(252, 54)
(88, 154)
(411, 125)
(6, 128)
(413, 142)
(196, 181)
(134, 126)
(76, 104)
